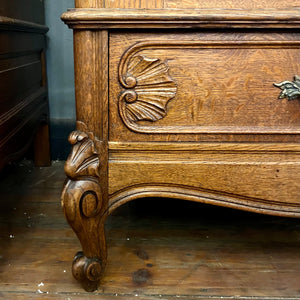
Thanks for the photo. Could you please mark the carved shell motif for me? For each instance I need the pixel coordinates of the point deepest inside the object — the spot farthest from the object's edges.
(149, 88)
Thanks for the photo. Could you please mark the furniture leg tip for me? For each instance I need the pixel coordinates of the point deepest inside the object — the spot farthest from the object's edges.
(87, 271)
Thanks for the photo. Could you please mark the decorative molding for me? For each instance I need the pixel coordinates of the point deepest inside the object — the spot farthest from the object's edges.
(149, 88)
(129, 82)
(290, 89)
(184, 192)
(200, 147)
(181, 18)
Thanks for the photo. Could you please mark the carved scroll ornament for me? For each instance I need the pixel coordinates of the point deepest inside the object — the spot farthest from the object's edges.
(82, 169)
(149, 88)
(290, 89)
(82, 201)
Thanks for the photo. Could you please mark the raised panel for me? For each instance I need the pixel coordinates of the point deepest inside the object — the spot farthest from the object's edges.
(214, 87)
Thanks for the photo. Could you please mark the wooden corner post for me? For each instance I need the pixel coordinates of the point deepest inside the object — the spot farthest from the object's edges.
(85, 193)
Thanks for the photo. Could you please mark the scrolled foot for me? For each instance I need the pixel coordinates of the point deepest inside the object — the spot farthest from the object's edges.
(84, 200)
(87, 271)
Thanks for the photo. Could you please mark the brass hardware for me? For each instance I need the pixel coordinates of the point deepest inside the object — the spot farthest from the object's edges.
(290, 89)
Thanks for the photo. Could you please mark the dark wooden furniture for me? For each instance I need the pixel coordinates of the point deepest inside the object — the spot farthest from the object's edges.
(197, 100)
(23, 90)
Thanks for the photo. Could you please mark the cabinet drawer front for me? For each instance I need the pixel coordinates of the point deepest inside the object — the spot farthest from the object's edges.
(264, 178)
(193, 87)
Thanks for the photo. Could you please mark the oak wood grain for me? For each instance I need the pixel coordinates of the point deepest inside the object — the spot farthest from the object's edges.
(238, 4)
(263, 178)
(184, 4)
(189, 111)
(231, 89)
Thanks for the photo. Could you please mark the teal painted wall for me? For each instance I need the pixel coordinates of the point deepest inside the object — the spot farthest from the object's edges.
(60, 75)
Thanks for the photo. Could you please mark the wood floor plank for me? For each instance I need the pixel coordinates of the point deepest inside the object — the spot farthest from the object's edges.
(195, 252)
(62, 296)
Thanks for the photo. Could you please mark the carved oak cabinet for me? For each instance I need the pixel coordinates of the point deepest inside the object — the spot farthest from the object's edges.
(197, 100)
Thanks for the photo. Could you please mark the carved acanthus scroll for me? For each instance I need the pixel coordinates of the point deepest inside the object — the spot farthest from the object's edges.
(82, 201)
(149, 88)
(82, 169)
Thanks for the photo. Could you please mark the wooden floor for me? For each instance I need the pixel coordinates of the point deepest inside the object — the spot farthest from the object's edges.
(194, 252)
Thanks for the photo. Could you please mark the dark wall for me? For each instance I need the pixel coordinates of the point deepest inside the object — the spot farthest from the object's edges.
(60, 77)
(31, 12)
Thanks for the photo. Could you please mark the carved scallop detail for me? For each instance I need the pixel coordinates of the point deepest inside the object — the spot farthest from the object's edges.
(149, 88)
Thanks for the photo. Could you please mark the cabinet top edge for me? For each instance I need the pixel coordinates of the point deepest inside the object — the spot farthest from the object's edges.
(106, 18)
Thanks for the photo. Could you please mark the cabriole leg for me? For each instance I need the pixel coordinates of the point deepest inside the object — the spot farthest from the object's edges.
(84, 209)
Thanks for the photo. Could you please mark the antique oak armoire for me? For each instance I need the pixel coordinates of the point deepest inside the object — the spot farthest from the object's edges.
(189, 99)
